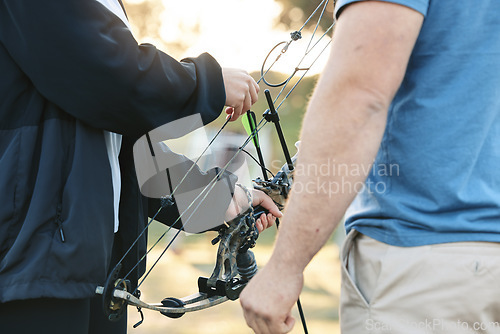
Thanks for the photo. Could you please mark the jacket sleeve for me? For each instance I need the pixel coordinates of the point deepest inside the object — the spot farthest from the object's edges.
(83, 58)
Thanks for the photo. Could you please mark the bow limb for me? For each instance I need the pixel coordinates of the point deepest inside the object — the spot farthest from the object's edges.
(195, 302)
(234, 267)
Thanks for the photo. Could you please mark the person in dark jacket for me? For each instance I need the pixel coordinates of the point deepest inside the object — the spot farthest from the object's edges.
(76, 91)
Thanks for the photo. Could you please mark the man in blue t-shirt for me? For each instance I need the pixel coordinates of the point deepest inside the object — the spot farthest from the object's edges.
(406, 119)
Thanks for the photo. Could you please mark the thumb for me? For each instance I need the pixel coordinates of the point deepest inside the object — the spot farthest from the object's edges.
(259, 198)
(289, 323)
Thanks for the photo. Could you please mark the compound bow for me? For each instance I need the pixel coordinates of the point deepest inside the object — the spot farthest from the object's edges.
(235, 264)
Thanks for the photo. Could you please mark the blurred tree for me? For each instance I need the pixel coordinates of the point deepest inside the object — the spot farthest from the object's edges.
(295, 12)
(145, 18)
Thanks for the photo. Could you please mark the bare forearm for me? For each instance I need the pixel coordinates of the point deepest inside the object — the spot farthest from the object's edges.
(335, 143)
(345, 123)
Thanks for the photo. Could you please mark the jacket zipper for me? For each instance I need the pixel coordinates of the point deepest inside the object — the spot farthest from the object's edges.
(59, 222)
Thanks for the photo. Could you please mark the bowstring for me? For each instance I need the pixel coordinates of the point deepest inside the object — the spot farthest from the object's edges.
(308, 50)
(201, 155)
(294, 37)
(300, 79)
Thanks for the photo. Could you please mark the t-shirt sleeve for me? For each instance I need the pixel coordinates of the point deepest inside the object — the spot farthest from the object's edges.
(420, 6)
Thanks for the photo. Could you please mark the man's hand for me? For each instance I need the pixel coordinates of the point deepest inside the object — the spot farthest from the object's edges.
(268, 298)
(240, 203)
(241, 91)
(265, 221)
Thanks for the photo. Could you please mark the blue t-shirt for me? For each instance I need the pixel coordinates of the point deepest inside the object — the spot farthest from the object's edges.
(436, 177)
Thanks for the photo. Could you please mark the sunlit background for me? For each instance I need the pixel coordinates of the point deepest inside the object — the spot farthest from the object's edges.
(238, 33)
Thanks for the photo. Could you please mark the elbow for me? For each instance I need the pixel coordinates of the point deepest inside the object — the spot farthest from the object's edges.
(364, 106)
(374, 106)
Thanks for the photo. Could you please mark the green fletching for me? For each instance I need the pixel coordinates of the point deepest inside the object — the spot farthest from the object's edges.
(246, 124)
(249, 123)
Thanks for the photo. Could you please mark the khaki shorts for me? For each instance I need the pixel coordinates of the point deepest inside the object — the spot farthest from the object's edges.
(445, 288)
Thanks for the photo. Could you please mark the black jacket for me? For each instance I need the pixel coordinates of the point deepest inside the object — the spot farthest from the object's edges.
(70, 69)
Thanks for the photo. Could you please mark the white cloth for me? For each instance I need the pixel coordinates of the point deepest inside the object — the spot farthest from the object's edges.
(113, 145)
(114, 140)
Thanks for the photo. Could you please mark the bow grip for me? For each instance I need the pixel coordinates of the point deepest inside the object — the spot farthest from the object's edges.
(258, 211)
